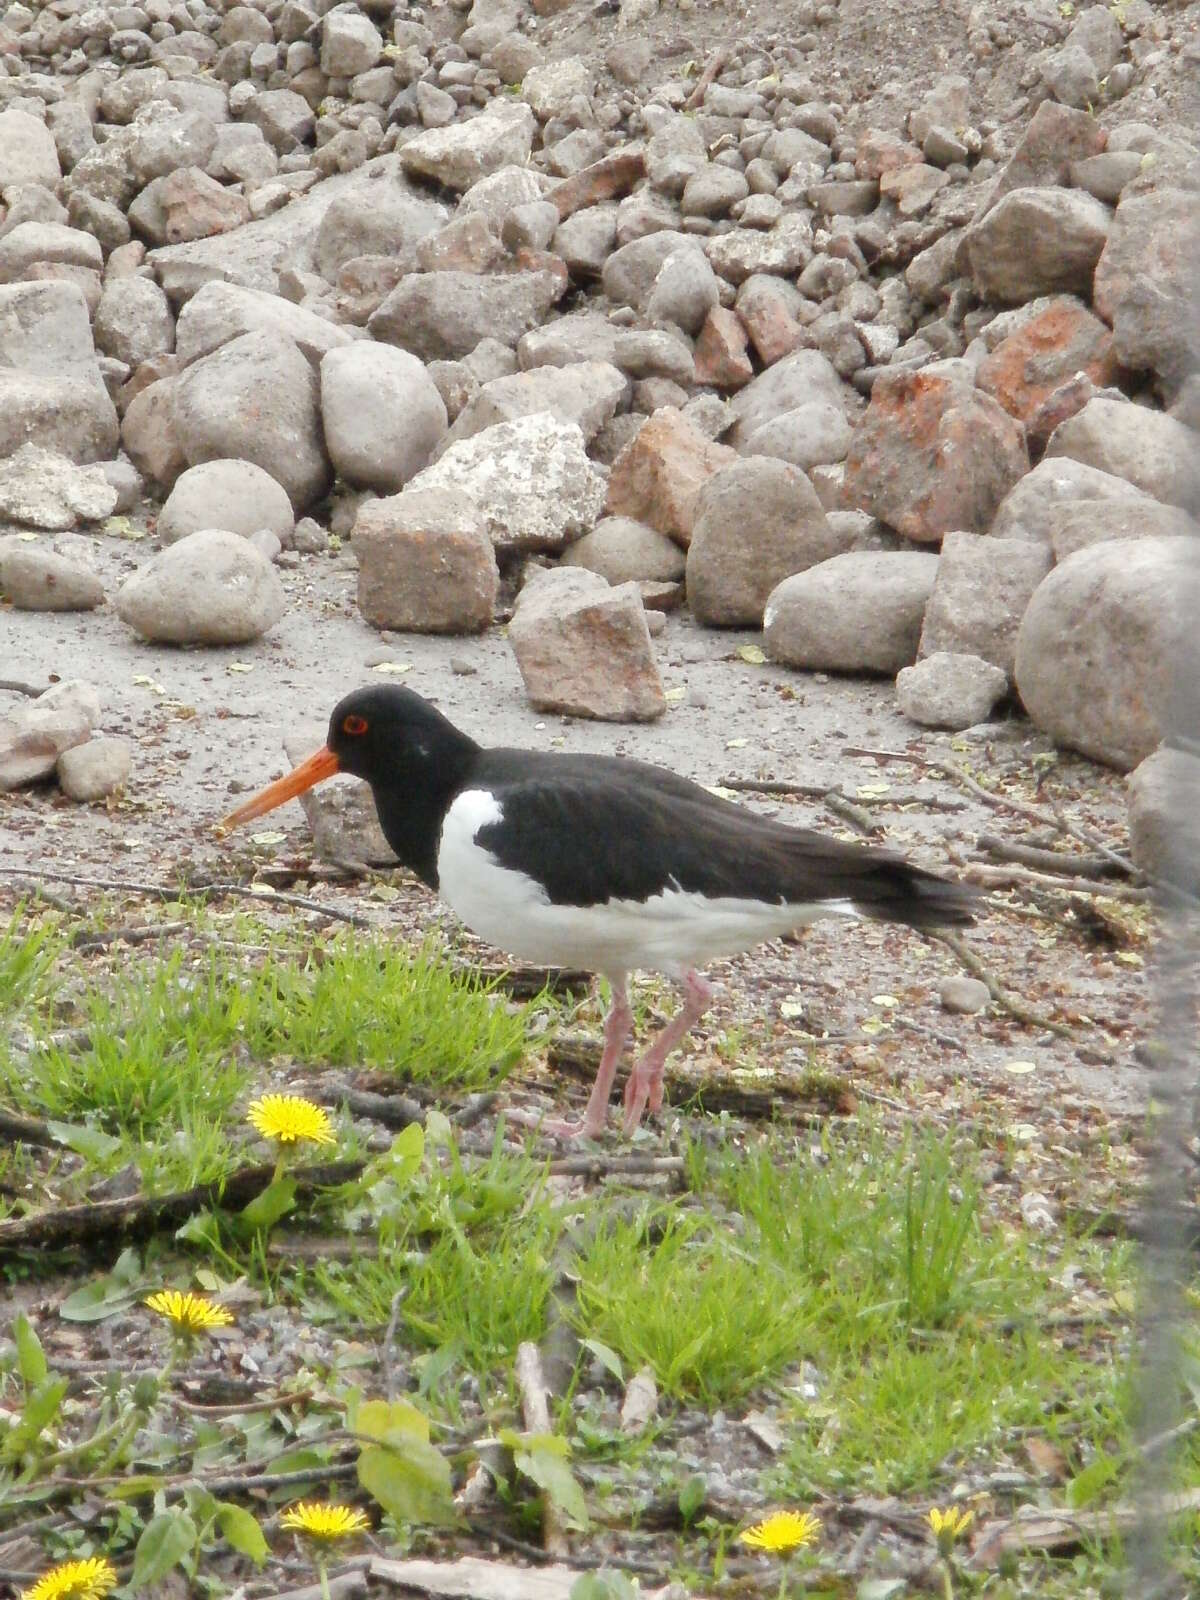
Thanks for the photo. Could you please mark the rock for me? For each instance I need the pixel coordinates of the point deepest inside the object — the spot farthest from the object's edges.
(583, 648)
(133, 321)
(685, 290)
(931, 454)
(950, 690)
(444, 315)
(712, 191)
(425, 563)
(796, 380)
(1070, 75)
(1144, 284)
(213, 587)
(630, 273)
(185, 206)
(256, 399)
(235, 495)
(982, 589)
(530, 478)
(1054, 138)
(385, 220)
(285, 117)
(757, 521)
(720, 354)
(586, 393)
(674, 154)
(1147, 448)
(31, 242)
(341, 814)
(1030, 509)
(1037, 241)
(551, 87)
(42, 489)
(125, 481)
(1164, 817)
(1076, 526)
(149, 435)
(220, 312)
(858, 612)
(809, 436)
(37, 578)
(1100, 642)
(34, 736)
(624, 551)
(963, 995)
(383, 415)
(27, 151)
(51, 391)
(785, 249)
(94, 770)
(350, 44)
(459, 155)
(1025, 369)
(657, 477)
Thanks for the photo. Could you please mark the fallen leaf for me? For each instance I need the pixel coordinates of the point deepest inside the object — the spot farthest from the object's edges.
(392, 666)
(885, 1000)
(267, 838)
(240, 666)
(1020, 1068)
(1046, 1458)
(751, 654)
(872, 791)
(672, 695)
(736, 744)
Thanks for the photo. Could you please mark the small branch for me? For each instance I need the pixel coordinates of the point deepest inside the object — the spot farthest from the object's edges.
(1028, 855)
(15, 686)
(86, 942)
(822, 791)
(1016, 877)
(389, 1343)
(531, 1382)
(163, 891)
(27, 1130)
(712, 67)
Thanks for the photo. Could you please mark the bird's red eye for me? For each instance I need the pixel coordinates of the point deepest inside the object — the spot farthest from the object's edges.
(354, 725)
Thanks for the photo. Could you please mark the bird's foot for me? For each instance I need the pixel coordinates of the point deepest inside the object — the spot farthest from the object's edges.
(559, 1128)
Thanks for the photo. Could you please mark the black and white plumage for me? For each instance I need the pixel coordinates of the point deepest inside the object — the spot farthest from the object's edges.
(602, 863)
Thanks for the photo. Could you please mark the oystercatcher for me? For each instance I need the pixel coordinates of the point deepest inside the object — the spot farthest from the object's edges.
(599, 862)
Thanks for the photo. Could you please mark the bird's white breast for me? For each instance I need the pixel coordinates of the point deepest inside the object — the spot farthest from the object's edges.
(669, 932)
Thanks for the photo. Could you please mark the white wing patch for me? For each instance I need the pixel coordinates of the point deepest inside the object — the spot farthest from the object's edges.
(670, 932)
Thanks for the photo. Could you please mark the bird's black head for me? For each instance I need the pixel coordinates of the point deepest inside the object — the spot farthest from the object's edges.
(388, 734)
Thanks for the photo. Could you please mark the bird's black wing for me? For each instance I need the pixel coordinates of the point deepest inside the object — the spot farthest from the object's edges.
(594, 829)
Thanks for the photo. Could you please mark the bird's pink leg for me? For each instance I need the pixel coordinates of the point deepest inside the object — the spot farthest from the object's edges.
(617, 1027)
(645, 1086)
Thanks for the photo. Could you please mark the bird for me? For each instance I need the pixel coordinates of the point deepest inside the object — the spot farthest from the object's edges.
(602, 863)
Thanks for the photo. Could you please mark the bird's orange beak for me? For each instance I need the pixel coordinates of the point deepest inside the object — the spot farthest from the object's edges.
(320, 765)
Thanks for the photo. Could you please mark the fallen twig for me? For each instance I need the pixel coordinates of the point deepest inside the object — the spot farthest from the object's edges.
(15, 686)
(1028, 855)
(263, 893)
(821, 791)
(712, 66)
(1018, 877)
(86, 942)
(27, 1130)
(138, 1215)
(1061, 1530)
(531, 1381)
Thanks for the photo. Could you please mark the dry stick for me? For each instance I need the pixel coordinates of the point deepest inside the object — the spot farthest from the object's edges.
(85, 942)
(1003, 998)
(17, 687)
(1016, 877)
(715, 63)
(821, 791)
(389, 1340)
(1028, 855)
(141, 1214)
(26, 1130)
(163, 891)
(532, 1383)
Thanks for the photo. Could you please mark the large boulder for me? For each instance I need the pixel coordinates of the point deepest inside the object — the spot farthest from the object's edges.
(1030, 508)
(214, 587)
(51, 390)
(1148, 448)
(382, 414)
(1164, 817)
(932, 454)
(758, 520)
(235, 495)
(980, 594)
(1145, 284)
(425, 563)
(1037, 241)
(858, 612)
(1100, 642)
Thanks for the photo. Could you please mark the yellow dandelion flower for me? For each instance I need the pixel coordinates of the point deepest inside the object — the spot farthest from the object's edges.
(289, 1119)
(949, 1526)
(189, 1313)
(323, 1521)
(75, 1580)
(783, 1531)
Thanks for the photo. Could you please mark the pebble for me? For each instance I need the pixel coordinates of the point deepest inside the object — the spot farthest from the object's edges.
(94, 770)
(965, 995)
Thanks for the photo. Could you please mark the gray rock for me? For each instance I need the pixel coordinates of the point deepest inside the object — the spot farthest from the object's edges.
(684, 291)
(30, 242)
(757, 522)
(1145, 284)
(655, 353)
(583, 648)
(37, 578)
(235, 495)
(530, 478)
(950, 690)
(797, 380)
(552, 87)
(624, 551)
(444, 315)
(350, 43)
(94, 770)
(126, 482)
(500, 192)
(51, 391)
(1075, 527)
(27, 151)
(629, 273)
(213, 587)
(859, 612)
(674, 154)
(1100, 642)
(34, 736)
(1149, 449)
(1104, 176)
(981, 592)
(241, 154)
(1071, 76)
(1037, 241)
(963, 995)
(586, 393)
(811, 435)
(579, 336)
(256, 399)
(383, 415)
(531, 226)
(133, 321)
(712, 191)
(162, 142)
(1164, 817)
(42, 489)
(285, 117)
(220, 312)
(384, 219)
(461, 154)
(149, 435)
(1030, 508)
(785, 249)
(425, 563)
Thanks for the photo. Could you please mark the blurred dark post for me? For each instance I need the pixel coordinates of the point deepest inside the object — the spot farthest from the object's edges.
(1170, 1221)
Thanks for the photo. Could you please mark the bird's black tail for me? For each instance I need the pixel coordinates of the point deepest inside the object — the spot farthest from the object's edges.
(896, 891)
